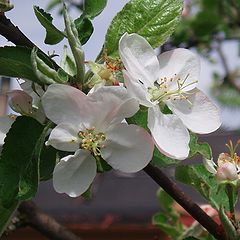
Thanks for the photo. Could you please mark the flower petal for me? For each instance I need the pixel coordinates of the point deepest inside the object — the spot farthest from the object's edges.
(74, 174)
(64, 137)
(20, 102)
(183, 63)
(64, 103)
(136, 89)
(139, 58)
(201, 116)
(210, 165)
(5, 124)
(114, 105)
(171, 136)
(128, 148)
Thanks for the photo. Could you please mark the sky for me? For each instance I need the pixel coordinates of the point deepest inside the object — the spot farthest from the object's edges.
(23, 16)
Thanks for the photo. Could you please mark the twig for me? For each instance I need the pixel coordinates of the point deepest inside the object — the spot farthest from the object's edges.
(13, 34)
(44, 223)
(185, 201)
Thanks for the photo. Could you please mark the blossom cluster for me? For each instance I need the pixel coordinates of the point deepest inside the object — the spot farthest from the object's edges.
(92, 128)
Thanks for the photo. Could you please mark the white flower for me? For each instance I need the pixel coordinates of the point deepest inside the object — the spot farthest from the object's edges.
(228, 165)
(168, 80)
(91, 126)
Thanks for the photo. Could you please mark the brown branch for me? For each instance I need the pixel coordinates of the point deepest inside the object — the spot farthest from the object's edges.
(13, 34)
(45, 224)
(185, 201)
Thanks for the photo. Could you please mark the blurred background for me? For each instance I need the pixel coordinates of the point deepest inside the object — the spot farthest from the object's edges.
(122, 205)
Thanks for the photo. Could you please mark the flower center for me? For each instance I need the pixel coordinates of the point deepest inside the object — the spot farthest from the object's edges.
(92, 140)
(162, 89)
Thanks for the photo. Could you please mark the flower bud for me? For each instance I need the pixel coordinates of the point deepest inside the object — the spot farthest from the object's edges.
(226, 172)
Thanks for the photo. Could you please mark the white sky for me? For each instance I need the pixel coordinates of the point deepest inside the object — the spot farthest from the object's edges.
(23, 16)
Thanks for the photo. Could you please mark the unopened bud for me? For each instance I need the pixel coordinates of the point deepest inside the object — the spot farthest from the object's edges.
(227, 172)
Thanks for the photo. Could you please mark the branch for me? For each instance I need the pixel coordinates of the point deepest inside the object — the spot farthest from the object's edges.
(185, 201)
(44, 223)
(13, 34)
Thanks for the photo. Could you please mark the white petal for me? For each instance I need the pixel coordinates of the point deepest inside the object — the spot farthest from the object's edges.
(5, 124)
(64, 103)
(227, 172)
(183, 63)
(139, 58)
(74, 174)
(136, 89)
(129, 148)
(171, 136)
(114, 105)
(202, 116)
(20, 102)
(210, 165)
(64, 137)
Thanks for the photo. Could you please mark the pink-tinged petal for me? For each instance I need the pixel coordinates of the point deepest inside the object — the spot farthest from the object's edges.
(64, 103)
(5, 124)
(74, 174)
(227, 172)
(136, 89)
(139, 58)
(114, 105)
(180, 64)
(20, 102)
(128, 148)
(170, 135)
(64, 137)
(201, 116)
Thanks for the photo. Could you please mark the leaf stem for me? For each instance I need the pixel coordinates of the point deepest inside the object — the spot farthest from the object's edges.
(230, 193)
(185, 201)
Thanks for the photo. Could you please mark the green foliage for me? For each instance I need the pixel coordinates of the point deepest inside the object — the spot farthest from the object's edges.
(201, 180)
(53, 35)
(227, 225)
(67, 63)
(6, 214)
(85, 28)
(93, 8)
(19, 162)
(199, 148)
(153, 19)
(16, 62)
(168, 220)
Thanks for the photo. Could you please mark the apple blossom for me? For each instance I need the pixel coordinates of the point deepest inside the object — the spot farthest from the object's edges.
(91, 127)
(227, 167)
(169, 80)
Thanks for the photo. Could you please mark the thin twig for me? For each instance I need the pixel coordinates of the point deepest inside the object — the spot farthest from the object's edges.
(185, 201)
(13, 34)
(45, 224)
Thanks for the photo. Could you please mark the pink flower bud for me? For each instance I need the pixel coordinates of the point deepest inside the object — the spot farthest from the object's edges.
(227, 172)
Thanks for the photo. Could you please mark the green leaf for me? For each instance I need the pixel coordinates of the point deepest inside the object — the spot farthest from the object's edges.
(155, 20)
(161, 161)
(202, 148)
(47, 162)
(67, 63)
(16, 62)
(53, 35)
(19, 173)
(85, 29)
(93, 8)
(140, 118)
(166, 201)
(227, 225)
(161, 221)
(198, 177)
(6, 214)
